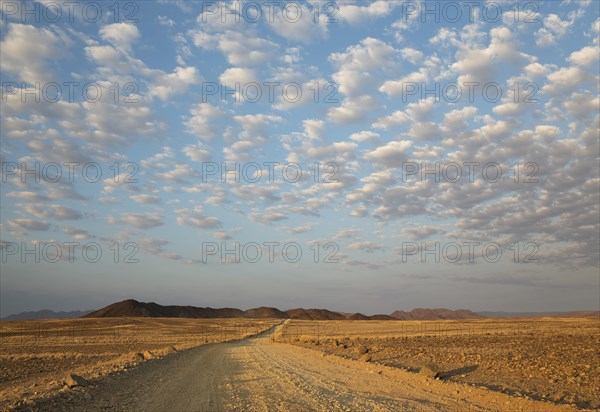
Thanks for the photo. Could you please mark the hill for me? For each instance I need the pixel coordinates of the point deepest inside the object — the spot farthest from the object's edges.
(576, 314)
(435, 314)
(133, 308)
(47, 314)
(314, 314)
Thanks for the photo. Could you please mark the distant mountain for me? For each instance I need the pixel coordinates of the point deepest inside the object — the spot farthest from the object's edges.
(314, 314)
(133, 308)
(265, 312)
(577, 314)
(47, 314)
(435, 314)
(358, 316)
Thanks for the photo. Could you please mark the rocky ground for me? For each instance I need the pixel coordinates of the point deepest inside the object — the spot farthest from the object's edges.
(36, 357)
(555, 360)
(260, 374)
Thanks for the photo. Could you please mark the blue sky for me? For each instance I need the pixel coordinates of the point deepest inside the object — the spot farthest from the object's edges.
(386, 73)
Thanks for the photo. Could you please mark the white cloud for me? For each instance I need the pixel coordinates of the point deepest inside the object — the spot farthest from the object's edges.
(366, 246)
(177, 82)
(199, 123)
(142, 221)
(359, 65)
(197, 218)
(146, 199)
(298, 25)
(565, 80)
(365, 136)
(239, 48)
(29, 224)
(197, 152)
(391, 154)
(360, 14)
(585, 57)
(121, 35)
(26, 51)
(353, 110)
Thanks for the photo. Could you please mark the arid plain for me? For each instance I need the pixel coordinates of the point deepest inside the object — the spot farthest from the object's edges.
(483, 364)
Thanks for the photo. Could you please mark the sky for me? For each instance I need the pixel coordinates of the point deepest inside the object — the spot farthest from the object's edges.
(361, 157)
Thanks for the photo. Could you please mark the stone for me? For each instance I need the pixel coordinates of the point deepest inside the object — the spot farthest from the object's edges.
(428, 372)
(148, 355)
(73, 380)
(366, 357)
(362, 350)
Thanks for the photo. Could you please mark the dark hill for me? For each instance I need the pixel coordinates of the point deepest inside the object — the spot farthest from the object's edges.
(265, 312)
(133, 308)
(358, 316)
(314, 314)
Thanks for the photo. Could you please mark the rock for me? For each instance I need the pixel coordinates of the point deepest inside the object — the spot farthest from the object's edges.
(87, 396)
(148, 355)
(428, 372)
(137, 357)
(362, 350)
(73, 380)
(366, 357)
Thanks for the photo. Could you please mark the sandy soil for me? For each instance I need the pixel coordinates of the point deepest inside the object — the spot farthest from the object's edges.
(263, 372)
(545, 359)
(258, 374)
(35, 356)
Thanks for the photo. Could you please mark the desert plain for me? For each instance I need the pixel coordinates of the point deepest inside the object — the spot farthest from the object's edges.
(532, 364)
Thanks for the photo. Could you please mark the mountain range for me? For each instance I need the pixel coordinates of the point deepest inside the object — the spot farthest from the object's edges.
(133, 308)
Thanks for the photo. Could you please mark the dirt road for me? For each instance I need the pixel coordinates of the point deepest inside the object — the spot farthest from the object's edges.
(256, 374)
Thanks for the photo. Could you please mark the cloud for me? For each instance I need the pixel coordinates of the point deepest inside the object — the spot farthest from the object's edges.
(29, 224)
(391, 154)
(142, 221)
(78, 234)
(197, 218)
(353, 110)
(365, 136)
(238, 75)
(121, 35)
(199, 123)
(307, 227)
(584, 57)
(366, 246)
(360, 66)
(565, 80)
(51, 211)
(165, 85)
(267, 216)
(298, 24)
(359, 14)
(197, 152)
(553, 30)
(27, 50)
(239, 48)
(146, 199)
